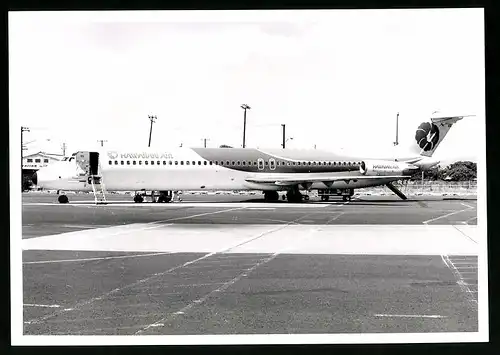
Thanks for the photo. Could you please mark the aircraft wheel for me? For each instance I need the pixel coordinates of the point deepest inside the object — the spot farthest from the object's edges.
(138, 199)
(63, 199)
(271, 196)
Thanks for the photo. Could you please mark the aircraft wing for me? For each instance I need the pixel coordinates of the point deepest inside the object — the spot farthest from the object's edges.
(293, 179)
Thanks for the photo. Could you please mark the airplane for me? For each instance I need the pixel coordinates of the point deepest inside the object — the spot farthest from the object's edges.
(267, 170)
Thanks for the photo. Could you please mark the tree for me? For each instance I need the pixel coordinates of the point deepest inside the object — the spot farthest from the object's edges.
(458, 171)
(461, 171)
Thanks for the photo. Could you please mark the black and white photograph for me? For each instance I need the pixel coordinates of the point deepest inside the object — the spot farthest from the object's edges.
(248, 177)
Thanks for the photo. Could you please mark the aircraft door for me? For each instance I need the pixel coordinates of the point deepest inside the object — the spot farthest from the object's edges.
(272, 164)
(94, 163)
(260, 164)
(83, 161)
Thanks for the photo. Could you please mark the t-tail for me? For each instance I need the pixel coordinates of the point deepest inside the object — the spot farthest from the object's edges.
(430, 134)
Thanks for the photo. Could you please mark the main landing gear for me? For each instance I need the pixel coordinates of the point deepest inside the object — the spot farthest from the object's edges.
(271, 196)
(162, 197)
(294, 195)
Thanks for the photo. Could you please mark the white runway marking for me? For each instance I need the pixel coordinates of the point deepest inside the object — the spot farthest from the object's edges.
(449, 214)
(41, 305)
(199, 215)
(461, 280)
(335, 217)
(410, 315)
(222, 288)
(92, 259)
(182, 204)
(107, 294)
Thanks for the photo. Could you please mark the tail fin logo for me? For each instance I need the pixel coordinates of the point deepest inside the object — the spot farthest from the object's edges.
(427, 136)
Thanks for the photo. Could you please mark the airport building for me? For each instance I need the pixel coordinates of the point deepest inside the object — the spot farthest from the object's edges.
(35, 161)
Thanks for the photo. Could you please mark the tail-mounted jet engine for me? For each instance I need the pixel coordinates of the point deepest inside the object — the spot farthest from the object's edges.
(386, 168)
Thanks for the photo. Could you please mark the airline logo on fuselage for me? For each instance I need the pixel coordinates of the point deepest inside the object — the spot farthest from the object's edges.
(385, 166)
(115, 155)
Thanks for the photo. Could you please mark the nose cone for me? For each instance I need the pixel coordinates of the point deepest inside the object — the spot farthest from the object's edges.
(34, 178)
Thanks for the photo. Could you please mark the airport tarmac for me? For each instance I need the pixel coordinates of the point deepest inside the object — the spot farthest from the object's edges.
(233, 264)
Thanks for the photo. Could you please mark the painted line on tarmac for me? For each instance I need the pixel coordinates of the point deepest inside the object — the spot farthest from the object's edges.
(198, 215)
(226, 285)
(41, 305)
(334, 218)
(460, 279)
(449, 214)
(92, 259)
(410, 315)
(141, 281)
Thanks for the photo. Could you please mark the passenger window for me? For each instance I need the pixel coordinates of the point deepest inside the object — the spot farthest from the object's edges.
(238, 162)
(170, 162)
(146, 162)
(110, 162)
(182, 162)
(164, 162)
(232, 163)
(210, 162)
(128, 162)
(140, 162)
(309, 163)
(176, 162)
(199, 163)
(243, 163)
(122, 162)
(227, 162)
(157, 162)
(205, 163)
(133, 162)
(187, 162)
(152, 162)
(116, 162)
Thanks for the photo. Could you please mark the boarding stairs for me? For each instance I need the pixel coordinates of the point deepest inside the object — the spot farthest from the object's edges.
(98, 188)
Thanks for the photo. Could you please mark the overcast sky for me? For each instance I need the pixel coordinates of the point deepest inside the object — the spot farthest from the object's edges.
(336, 78)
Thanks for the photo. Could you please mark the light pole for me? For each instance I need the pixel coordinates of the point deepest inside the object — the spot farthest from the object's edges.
(284, 141)
(153, 120)
(23, 129)
(205, 142)
(244, 107)
(397, 121)
(102, 141)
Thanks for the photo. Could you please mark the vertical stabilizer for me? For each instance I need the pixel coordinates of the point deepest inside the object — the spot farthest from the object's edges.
(430, 134)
